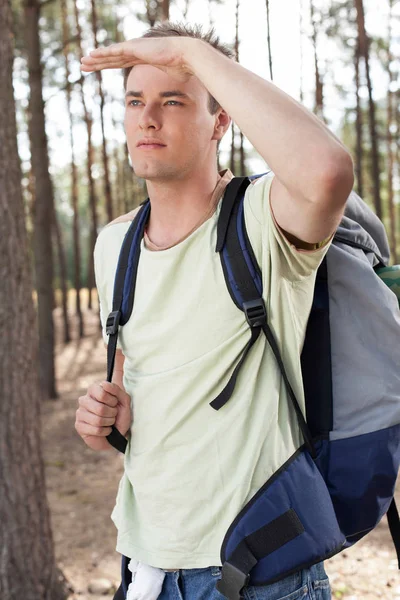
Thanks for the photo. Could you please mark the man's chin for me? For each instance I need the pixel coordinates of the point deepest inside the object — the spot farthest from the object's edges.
(156, 173)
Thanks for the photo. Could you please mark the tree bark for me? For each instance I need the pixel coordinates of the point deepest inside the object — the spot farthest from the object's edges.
(27, 567)
(269, 43)
(364, 49)
(319, 88)
(301, 91)
(44, 201)
(63, 277)
(89, 164)
(359, 126)
(164, 10)
(74, 174)
(389, 141)
(107, 185)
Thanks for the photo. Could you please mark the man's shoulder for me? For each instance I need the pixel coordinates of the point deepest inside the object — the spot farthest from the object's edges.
(127, 218)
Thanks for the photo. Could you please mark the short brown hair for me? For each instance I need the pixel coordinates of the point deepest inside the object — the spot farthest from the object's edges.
(169, 29)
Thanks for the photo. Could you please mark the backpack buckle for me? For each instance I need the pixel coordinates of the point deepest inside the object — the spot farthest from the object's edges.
(112, 323)
(255, 311)
(232, 581)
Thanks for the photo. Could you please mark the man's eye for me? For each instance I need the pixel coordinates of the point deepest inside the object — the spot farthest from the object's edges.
(174, 103)
(134, 102)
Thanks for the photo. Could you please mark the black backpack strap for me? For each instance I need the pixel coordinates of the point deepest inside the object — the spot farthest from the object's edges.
(123, 296)
(244, 282)
(394, 527)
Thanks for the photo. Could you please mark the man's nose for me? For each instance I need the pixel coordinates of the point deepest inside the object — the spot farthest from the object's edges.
(149, 118)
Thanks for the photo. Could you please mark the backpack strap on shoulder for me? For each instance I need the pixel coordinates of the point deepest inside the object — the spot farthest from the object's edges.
(123, 296)
(244, 282)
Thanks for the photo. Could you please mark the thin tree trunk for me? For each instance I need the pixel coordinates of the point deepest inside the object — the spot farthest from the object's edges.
(44, 202)
(185, 12)
(89, 164)
(151, 13)
(269, 43)
(28, 569)
(389, 138)
(63, 277)
(164, 10)
(74, 174)
(210, 14)
(364, 48)
(319, 89)
(301, 50)
(107, 185)
(359, 126)
(232, 165)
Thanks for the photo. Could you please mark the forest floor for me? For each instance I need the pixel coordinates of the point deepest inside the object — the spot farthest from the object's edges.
(82, 485)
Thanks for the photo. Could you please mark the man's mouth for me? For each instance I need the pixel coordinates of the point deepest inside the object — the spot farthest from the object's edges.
(150, 144)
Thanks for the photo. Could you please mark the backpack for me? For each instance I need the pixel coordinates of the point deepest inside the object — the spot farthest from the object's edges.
(340, 483)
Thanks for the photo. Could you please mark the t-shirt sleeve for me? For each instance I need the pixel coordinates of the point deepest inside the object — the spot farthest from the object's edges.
(293, 263)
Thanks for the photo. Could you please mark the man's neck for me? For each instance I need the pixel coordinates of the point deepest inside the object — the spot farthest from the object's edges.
(177, 205)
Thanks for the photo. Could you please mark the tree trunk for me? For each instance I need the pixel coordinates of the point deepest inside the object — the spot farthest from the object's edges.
(27, 568)
(301, 50)
(185, 12)
(164, 10)
(319, 89)
(107, 185)
(389, 138)
(89, 163)
(74, 173)
(232, 165)
(63, 277)
(359, 126)
(44, 201)
(151, 13)
(364, 48)
(269, 43)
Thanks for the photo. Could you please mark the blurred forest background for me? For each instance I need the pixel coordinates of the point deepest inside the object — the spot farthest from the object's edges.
(65, 173)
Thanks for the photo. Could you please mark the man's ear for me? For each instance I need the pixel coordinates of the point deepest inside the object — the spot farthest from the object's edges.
(222, 122)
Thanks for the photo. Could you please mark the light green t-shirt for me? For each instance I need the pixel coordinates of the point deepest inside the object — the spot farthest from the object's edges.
(190, 469)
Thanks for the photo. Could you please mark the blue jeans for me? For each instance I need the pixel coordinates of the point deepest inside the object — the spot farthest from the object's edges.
(199, 584)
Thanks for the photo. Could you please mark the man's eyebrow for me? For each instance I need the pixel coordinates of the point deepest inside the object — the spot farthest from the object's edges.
(171, 93)
(168, 94)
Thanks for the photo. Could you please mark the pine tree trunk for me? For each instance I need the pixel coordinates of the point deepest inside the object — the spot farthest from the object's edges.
(319, 88)
(107, 185)
(164, 10)
(389, 139)
(185, 12)
(27, 567)
(151, 13)
(74, 173)
(301, 91)
(44, 202)
(364, 48)
(359, 126)
(89, 163)
(269, 44)
(63, 277)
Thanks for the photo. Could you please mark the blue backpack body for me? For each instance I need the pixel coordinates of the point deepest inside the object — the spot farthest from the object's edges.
(340, 482)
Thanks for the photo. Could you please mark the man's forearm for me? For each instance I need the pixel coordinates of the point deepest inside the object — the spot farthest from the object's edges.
(296, 145)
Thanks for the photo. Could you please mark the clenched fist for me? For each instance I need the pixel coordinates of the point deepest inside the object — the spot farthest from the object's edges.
(105, 404)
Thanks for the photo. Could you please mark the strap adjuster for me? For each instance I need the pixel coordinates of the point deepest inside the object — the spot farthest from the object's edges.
(255, 311)
(112, 323)
(232, 581)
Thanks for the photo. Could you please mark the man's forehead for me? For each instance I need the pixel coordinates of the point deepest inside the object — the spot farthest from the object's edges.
(151, 80)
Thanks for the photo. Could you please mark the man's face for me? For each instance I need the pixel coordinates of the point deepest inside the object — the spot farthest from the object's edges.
(172, 115)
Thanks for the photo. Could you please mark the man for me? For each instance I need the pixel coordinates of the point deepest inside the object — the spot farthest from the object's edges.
(188, 469)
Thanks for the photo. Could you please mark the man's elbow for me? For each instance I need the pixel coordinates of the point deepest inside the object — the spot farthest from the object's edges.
(337, 181)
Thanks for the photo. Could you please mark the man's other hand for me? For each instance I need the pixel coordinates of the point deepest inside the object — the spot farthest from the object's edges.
(104, 404)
